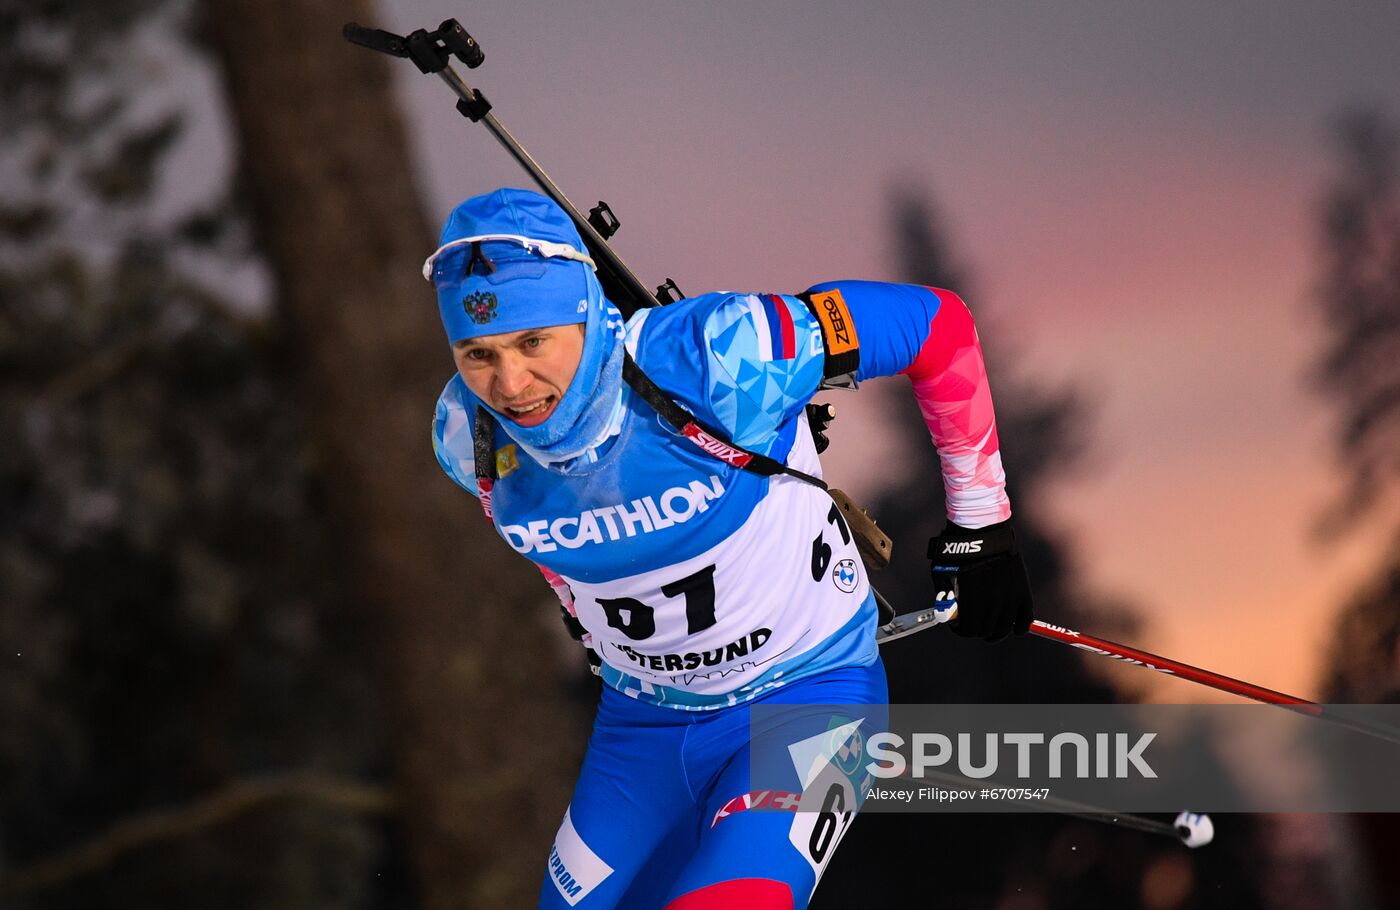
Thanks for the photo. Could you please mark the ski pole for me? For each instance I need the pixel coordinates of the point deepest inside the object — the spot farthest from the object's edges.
(1209, 678)
(1161, 664)
(909, 623)
(1194, 829)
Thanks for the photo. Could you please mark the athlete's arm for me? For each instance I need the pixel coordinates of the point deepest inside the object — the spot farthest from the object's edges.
(768, 352)
(928, 335)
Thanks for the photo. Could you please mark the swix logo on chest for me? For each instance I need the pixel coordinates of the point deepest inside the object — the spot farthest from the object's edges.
(961, 547)
(646, 515)
(716, 447)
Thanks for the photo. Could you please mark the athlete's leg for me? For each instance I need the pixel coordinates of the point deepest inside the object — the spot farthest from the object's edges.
(631, 791)
(651, 885)
(754, 850)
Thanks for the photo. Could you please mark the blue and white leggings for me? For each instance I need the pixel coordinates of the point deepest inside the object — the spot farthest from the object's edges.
(666, 815)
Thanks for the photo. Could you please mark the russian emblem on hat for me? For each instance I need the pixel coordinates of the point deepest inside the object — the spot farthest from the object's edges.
(481, 306)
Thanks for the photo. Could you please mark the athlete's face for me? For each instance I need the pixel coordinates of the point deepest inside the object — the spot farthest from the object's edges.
(522, 375)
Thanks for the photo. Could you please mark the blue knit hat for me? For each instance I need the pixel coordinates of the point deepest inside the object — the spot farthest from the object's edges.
(510, 260)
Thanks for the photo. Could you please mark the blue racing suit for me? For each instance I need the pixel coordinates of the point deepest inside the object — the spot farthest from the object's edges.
(705, 588)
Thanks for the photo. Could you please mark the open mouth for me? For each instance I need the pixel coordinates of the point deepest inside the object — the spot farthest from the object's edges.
(533, 413)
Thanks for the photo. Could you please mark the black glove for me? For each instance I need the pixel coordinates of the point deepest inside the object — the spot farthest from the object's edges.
(982, 573)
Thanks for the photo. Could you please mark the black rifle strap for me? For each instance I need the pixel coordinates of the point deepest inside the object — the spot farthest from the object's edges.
(484, 448)
(711, 442)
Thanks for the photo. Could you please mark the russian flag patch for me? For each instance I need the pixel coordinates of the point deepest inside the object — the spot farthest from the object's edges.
(773, 321)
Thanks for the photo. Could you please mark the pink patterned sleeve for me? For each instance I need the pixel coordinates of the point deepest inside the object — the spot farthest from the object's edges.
(950, 383)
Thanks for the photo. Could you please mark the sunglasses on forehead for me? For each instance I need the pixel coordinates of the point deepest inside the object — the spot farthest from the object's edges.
(546, 248)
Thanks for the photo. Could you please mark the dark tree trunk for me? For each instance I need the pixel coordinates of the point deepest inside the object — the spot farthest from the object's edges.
(481, 739)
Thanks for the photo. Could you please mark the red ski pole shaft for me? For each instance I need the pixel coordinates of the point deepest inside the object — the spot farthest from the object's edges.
(894, 626)
(1167, 665)
(1138, 657)
(1161, 664)
(1208, 678)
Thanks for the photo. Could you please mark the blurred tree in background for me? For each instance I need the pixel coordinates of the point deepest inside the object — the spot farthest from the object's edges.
(248, 615)
(1359, 299)
(455, 615)
(168, 626)
(1359, 296)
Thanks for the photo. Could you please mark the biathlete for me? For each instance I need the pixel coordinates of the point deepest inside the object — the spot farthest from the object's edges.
(662, 474)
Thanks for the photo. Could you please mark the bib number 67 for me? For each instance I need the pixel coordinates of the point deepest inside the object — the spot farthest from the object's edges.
(821, 550)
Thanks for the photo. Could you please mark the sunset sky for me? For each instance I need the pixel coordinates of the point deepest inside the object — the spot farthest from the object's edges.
(1131, 185)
